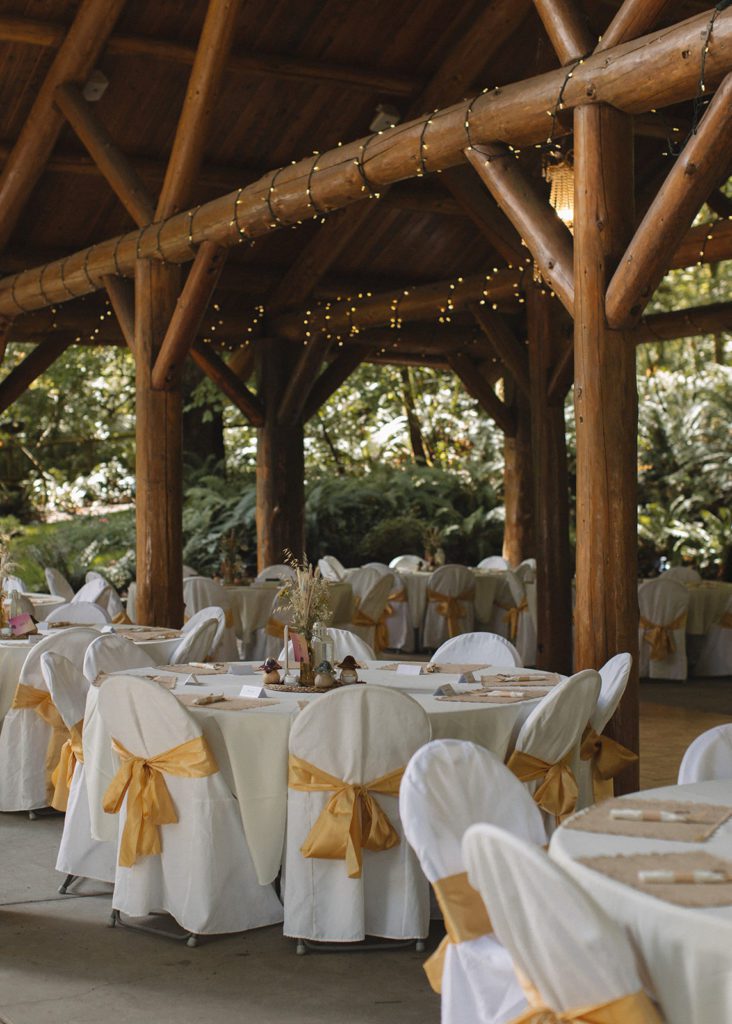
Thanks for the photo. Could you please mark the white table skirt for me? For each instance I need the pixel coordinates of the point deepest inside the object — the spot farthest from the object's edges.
(251, 748)
(686, 952)
(252, 606)
(707, 602)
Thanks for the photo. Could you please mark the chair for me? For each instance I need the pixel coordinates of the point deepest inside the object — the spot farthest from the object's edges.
(344, 643)
(196, 645)
(664, 605)
(199, 592)
(221, 638)
(33, 731)
(526, 570)
(275, 572)
(337, 892)
(192, 862)
(111, 653)
(709, 757)
(20, 604)
(448, 786)
(58, 584)
(83, 612)
(331, 568)
(189, 571)
(450, 605)
(399, 628)
(79, 856)
(682, 574)
(546, 744)
(715, 656)
(570, 953)
(371, 590)
(511, 618)
(478, 649)
(11, 583)
(108, 598)
(601, 758)
(493, 562)
(379, 566)
(408, 563)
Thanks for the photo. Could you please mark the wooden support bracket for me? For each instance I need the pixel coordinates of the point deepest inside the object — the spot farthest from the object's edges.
(299, 386)
(215, 368)
(566, 28)
(508, 348)
(35, 363)
(633, 19)
(478, 387)
(122, 296)
(335, 374)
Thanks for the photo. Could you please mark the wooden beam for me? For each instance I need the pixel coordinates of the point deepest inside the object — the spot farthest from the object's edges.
(669, 217)
(425, 339)
(547, 238)
(509, 349)
(301, 380)
(684, 323)
(478, 388)
(227, 381)
(17, 382)
(335, 374)
(518, 480)
(422, 196)
(265, 65)
(566, 28)
(189, 311)
(242, 361)
(633, 19)
(122, 297)
(75, 58)
(705, 243)
(186, 157)
(405, 359)
(658, 70)
(111, 161)
(487, 216)
(719, 203)
(562, 374)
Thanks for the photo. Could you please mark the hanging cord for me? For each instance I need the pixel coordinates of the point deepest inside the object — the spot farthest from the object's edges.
(701, 100)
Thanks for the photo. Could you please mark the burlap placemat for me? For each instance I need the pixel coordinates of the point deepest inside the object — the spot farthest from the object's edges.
(706, 820)
(154, 633)
(504, 680)
(169, 682)
(491, 698)
(68, 625)
(294, 688)
(625, 867)
(216, 668)
(228, 703)
(392, 666)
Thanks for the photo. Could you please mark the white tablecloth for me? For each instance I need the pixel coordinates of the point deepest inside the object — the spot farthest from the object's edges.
(43, 604)
(707, 602)
(687, 952)
(251, 748)
(252, 605)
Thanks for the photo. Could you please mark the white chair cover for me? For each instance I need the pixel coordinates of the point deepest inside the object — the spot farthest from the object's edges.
(58, 584)
(196, 645)
(448, 786)
(108, 597)
(200, 592)
(516, 625)
(204, 876)
(452, 580)
(371, 589)
(111, 653)
(78, 853)
(709, 757)
(83, 612)
(715, 656)
(344, 643)
(276, 572)
(493, 562)
(478, 649)
(614, 676)
(25, 735)
(380, 566)
(399, 625)
(663, 603)
(331, 568)
(223, 636)
(682, 574)
(188, 570)
(20, 604)
(357, 734)
(412, 563)
(13, 583)
(559, 939)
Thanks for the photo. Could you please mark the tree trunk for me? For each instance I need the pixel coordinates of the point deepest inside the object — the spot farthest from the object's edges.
(518, 483)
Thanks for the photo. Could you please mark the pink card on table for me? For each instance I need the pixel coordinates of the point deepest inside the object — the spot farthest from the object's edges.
(22, 624)
(300, 647)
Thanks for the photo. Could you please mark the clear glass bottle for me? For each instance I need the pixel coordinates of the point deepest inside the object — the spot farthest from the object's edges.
(328, 645)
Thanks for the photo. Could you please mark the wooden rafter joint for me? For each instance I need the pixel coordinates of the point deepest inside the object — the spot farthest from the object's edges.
(216, 369)
(478, 387)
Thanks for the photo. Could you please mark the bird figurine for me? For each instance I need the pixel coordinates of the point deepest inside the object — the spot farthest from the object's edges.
(270, 671)
(324, 677)
(348, 670)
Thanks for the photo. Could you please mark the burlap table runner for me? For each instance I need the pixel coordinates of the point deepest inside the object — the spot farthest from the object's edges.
(216, 668)
(624, 868)
(506, 680)
(228, 703)
(491, 698)
(706, 820)
(153, 633)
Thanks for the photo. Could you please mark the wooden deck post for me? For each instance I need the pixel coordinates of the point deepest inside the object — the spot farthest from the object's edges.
(280, 461)
(518, 481)
(606, 409)
(159, 454)
(551, 491)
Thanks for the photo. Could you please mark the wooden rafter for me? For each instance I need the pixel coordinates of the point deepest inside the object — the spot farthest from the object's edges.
(684, 323)
(243, 360)
(566, 28)
(302, 378)
(332, 377)
(35, 363)
(509, 349)
(122, 297)
(633, 19)
(487, 216)
(478, 388)
(227, 381)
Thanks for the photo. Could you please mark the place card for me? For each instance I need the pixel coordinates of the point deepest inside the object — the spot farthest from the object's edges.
(408, 668)
(252, 691)
(242, 668)
(681, 822)
(689, 879)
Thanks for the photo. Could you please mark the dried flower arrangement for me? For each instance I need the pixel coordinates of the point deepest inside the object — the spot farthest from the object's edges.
(305, 598)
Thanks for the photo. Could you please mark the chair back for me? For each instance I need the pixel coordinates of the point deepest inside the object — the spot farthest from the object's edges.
(493, 562)
(409, 563)
(11, 583)
(614, 676)
(556, 725)
(709, 757)
(196, 645)
(143, 716)
(478, 649)
(664, 605)
(84, 612)
(72, 643)
(372, 588)
(67, 685)
(682, 574)
(201, 592)
(381, 567)
(276, 572)
(94, 591)
(211, 612)
(558, 937)
(58, 584)
(112, 653)
(331, 568)
(451, 579)
(109, 598)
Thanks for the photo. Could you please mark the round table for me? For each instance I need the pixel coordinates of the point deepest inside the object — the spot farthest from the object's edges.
(43, 604)
(707, 602)
(686, 952)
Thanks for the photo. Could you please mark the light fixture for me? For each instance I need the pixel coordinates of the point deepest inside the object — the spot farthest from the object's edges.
(385, 116)
(559, 172)
(95, 86)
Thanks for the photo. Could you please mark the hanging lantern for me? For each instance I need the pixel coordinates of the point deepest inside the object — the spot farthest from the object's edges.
(560, 175)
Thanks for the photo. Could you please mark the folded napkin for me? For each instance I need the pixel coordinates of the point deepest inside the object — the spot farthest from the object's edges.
(221, 703)
(199, 668)
(208, 698)
(638, 814)
(697, 877)
(499, 679)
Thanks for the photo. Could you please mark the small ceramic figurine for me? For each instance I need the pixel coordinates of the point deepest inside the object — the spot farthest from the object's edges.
(348, 670)
(324, 677)
(270, 671)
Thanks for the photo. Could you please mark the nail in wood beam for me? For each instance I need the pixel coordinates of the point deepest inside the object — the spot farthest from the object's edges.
(189, 311)
(75, 58)
(302, 378)
(507, 346)
(332, 377)
(237, 392)
(669, 216)
(122, 296)
(111, 161)
(478, 388)
(566, 28)
(547, 238)
(35, 363)
(633, 19)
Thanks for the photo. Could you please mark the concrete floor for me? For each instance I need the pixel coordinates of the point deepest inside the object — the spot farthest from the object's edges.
(61, 963)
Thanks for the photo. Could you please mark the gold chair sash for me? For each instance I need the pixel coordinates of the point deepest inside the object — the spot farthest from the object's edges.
(275, 628)
(450, 607)
(352, 819)
(558, 791)
(398, 595)
(71, 752)
(661, 638)
(513, 616)
(122, 619)
(608, 758)
(381, 632)
(725, 620)
(465, 918)
(33, 699)
(148, 800)
(636, 1008)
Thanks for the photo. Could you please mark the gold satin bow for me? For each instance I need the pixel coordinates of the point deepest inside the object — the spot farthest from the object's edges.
(558, 791)
(450, 607)
(122, 619)
(725, 620)
(608, 758)
(352, 819)
(381, 632)
(148, 800)
(512, 616)
(661, 638)
(465, 918)
(32, 699)
(71, 752)
(275, 628)
(636, 1008)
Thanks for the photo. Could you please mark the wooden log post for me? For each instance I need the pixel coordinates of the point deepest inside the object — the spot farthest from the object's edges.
(518, 480)
(35, 363)
(606, 411)
(547, 330)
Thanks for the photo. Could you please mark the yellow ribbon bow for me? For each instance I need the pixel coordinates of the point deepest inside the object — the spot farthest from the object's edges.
(558, 791)
(450, 606)
(636, 1008)
(661, 638)
(512, 616)
(608, 758)
(148, 800)
(122, 619)
(352, 819)
(725, 620)
(381, 632)
(465, 918)
(275, 628)
(32, 699)
(71, 752)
